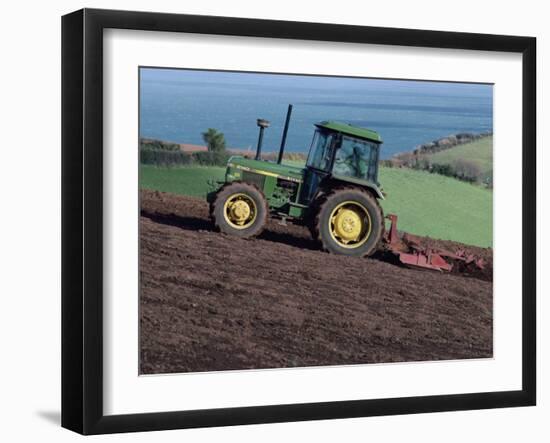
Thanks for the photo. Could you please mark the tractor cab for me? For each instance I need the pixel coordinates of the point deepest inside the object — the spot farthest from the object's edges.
(343, 153)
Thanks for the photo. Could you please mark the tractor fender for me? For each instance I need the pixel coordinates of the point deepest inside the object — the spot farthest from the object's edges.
(371, 187)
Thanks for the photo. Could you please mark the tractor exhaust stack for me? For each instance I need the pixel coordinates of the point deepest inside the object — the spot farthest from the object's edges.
(285, 130)
(262, 123)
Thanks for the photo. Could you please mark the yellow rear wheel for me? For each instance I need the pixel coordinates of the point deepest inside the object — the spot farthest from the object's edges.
(350, 224)
(348, 221)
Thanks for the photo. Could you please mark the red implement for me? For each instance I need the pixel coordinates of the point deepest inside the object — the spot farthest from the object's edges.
(410, 252)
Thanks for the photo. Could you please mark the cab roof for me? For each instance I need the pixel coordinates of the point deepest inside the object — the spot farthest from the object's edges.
(354, 131)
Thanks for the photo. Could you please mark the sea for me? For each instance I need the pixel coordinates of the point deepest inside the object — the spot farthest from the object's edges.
(178, 105)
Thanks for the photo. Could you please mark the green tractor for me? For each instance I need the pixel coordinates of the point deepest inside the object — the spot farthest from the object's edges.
(336, 194)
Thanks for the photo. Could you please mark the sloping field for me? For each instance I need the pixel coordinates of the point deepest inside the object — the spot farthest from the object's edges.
(439, 207)
(192, 181)
(209, 301)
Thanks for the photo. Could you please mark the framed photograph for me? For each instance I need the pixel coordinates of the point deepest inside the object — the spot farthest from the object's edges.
(269, 221)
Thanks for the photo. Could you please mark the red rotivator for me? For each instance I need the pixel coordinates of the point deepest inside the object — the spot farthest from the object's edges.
(410, 252)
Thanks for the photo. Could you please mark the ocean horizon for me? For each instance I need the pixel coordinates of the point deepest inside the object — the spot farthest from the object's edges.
(177, 105)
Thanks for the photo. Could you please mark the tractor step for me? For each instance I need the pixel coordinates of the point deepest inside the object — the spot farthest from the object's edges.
(282, 218)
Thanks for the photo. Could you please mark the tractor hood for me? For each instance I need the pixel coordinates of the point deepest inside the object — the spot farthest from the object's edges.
(291, 173)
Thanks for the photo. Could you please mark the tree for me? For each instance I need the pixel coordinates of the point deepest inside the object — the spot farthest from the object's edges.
(214, 139)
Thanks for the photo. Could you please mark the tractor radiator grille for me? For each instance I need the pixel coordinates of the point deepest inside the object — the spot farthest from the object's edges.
(255, 179)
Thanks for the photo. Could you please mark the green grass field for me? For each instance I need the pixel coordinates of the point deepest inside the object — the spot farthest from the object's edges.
(190, 180)
(479, 152)
(438, 206)
(427, 204)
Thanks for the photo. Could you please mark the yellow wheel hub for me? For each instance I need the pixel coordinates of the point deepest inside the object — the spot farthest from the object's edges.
(347, 224)
(240, 211)
(350, 224)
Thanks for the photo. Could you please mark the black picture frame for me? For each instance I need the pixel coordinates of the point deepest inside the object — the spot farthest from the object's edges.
(82, 218)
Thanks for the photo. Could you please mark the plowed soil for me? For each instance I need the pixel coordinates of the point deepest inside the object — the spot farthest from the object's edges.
(211, 302)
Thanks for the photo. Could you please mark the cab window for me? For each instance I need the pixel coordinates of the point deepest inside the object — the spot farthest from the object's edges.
(356, 158)
(320, 154)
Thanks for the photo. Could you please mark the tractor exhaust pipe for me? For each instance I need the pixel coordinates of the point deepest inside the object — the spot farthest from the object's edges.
(262, 123)
(285, 130)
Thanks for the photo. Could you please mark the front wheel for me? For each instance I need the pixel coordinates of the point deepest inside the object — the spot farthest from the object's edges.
(349, 222)
(239, 209)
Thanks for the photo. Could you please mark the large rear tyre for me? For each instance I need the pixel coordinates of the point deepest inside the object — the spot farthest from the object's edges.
(239, 209)
(349, 221)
